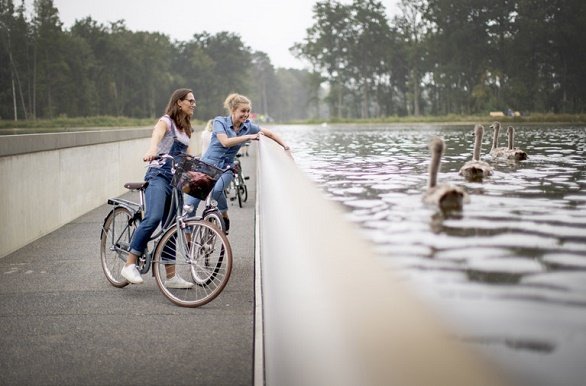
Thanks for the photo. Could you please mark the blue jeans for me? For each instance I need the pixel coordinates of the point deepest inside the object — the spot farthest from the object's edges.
(217, 194)
(157, 202)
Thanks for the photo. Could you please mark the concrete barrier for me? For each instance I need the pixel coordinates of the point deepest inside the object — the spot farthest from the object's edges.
(47, 180)
(332, 314)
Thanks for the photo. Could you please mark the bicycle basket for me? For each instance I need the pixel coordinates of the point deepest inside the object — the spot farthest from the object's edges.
(195, 177)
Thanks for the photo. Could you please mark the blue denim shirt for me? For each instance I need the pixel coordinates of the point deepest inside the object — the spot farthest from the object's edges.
(221, 156)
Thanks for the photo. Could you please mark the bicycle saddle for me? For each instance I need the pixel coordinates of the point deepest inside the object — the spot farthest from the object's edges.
(136, 185)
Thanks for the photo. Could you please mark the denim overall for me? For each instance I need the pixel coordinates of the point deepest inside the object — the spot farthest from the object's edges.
(157, 198)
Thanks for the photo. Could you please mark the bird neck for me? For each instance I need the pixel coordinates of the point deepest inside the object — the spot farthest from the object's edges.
(477, 144)
(434, 169)
(495, 138)
(511, 139)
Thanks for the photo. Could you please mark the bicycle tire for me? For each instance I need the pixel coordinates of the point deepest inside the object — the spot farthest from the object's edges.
(204, 261)
(215, 217)
(116, 234)
(243, 188)
(239, 193)
(210, 268)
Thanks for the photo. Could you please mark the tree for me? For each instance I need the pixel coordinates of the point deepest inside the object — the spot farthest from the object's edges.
(294, 100)
(264, 83)
(500, 34)
(413, 29)
(458, 47)
(326, 48)
(351, 47)
(48, 73)
(217, 66)
(10, 33)
(368, 60)
(548, 68)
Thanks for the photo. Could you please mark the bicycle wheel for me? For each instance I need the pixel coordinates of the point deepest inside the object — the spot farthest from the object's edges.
(117, 231)
(243, 188)
(233, 189)
(215, 217)
(238, 190)
(203, 260)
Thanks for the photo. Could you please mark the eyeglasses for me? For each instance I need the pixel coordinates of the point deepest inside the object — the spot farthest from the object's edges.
(191, 101)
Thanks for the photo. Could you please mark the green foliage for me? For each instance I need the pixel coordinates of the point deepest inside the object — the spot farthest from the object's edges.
(107, 70)
(64, 123)
(445, 57)
(436, 57)
(578, 119)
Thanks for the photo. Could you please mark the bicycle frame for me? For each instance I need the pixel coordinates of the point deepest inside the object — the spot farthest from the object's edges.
(175, 217)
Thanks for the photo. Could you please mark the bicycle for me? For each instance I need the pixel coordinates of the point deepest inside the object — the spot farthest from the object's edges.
(204, 255)
(237, 188)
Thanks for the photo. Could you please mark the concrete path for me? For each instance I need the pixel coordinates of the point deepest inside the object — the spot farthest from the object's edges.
(62, 323)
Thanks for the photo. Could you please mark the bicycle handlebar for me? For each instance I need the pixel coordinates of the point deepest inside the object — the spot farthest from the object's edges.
(165, 156)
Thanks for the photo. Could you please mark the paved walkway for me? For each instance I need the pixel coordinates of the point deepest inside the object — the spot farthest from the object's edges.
(62, 323)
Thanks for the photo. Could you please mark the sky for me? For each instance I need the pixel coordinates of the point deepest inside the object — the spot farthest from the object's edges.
(270, 26)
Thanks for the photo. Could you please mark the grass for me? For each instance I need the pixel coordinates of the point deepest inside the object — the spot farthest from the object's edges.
(67, 123)
(107, 122)
(453, 118)
(63, 124)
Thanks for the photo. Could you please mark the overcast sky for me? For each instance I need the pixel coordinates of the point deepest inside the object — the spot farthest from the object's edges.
(271, 26)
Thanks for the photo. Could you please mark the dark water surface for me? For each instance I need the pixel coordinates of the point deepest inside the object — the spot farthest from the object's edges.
(509, 271)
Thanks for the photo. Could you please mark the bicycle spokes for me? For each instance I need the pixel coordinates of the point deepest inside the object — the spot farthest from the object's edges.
(114, 243)
(203, 258)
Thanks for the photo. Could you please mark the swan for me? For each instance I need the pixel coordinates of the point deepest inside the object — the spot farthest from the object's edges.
(512, 151)
(476, 170)
(446, 197)
(496, 151)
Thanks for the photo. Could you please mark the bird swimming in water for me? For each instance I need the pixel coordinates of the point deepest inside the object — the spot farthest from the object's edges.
(513, 152)
(476, 169)
(496, 151)
(445, 197)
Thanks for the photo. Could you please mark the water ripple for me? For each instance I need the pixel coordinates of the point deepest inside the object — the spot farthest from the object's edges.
(509, 270)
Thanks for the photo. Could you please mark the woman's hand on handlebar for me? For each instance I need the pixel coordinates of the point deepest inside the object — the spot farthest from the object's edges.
(157, 158)
(150, 156)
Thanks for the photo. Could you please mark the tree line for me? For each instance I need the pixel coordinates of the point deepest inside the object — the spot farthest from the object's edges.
(443, 57)
(436, 57)
(93, 69)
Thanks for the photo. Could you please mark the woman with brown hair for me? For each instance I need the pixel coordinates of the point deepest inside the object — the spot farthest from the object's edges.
(171, 135)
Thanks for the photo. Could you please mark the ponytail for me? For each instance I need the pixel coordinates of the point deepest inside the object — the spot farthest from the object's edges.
(234, 100)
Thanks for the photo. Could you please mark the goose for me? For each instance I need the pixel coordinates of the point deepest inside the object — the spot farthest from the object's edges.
(496, 151)
(476, 170)
(512, 151)
(445, 197)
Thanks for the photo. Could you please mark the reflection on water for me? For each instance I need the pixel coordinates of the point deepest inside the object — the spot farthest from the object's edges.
(509, 271)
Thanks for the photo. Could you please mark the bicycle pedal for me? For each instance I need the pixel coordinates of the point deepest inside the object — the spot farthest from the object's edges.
(247, 178)
(123, 245)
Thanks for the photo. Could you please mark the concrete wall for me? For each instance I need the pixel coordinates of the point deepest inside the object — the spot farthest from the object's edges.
(48, 180)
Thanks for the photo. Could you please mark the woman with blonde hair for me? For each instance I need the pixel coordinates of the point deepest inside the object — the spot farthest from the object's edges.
(229, 133)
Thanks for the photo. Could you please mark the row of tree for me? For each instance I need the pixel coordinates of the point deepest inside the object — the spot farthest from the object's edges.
(434, 57)
(93, 69)
(449, 56)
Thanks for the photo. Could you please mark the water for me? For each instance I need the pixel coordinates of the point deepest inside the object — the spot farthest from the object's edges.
(508, 273)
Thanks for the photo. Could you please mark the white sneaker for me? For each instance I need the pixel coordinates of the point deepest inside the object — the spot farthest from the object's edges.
(130, 273)
(177, 282)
